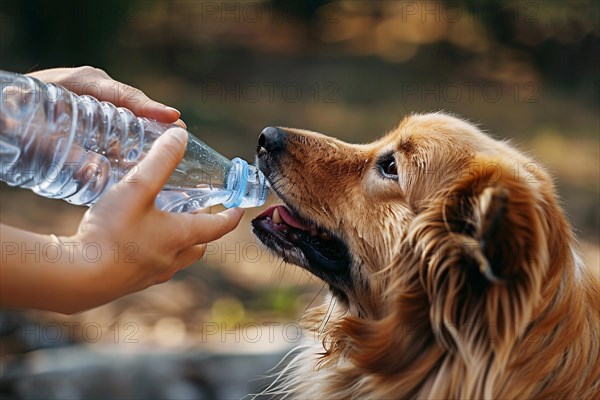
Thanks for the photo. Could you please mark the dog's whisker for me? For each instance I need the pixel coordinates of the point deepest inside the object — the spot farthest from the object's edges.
(315, 297)
(332, 304)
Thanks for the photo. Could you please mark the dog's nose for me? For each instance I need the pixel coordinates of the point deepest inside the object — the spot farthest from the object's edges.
(271, 139)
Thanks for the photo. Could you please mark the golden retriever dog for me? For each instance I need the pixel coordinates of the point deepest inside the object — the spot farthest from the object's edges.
(451, 267)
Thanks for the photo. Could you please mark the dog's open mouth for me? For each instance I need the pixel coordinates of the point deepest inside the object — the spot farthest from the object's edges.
(302, 242)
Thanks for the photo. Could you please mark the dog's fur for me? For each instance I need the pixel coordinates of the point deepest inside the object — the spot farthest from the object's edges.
(465, 281)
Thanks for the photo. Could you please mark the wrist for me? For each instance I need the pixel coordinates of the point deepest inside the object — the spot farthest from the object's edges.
(40, 272)
(92, 281)
(109, 268)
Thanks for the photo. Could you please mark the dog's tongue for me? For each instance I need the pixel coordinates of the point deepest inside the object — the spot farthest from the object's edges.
(290, 219)
(286, 216)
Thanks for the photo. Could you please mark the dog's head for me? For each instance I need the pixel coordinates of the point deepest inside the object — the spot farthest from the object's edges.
(432, 222)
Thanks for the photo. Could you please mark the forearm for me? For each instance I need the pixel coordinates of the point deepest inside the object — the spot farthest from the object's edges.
(39, 271)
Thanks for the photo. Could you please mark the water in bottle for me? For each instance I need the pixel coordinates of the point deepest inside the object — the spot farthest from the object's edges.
(75, 148)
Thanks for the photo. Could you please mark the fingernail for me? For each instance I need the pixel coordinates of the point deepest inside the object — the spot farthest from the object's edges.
(173, 109)
(180, 122)
(180, 135)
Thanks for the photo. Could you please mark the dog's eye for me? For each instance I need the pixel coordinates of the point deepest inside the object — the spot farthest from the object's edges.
(389, 167)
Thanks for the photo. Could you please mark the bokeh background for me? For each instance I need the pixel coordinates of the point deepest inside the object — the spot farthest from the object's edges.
(524, 70)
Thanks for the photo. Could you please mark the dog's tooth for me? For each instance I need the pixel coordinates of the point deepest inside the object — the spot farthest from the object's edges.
(276, 218)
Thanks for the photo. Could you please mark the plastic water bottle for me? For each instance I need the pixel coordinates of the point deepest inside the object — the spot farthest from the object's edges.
(71, 147)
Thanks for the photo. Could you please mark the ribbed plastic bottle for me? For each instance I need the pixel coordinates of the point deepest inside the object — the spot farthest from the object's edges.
(71, 147)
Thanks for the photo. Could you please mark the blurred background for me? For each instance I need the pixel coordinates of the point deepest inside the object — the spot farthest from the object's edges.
(523, 70)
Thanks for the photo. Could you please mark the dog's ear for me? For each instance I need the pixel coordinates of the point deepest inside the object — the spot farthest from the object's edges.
(492, 229)
(479, 247)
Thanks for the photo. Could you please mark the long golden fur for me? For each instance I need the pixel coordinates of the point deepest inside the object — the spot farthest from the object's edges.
(465, 281)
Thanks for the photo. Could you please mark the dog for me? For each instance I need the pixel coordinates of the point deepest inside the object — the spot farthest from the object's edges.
(451, 268)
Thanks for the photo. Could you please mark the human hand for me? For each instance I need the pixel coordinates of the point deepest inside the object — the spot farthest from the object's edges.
(97, 83)
(133, 244)
(151, 244)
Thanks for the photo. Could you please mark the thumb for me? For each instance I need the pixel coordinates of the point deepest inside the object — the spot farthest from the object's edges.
(154, 170)
(203, 228)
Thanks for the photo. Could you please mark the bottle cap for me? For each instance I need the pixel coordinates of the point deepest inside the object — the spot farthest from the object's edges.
(237, 179)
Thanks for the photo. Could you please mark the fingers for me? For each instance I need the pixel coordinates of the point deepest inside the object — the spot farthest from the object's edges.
(123, 95)
(180, 123)
(204, 228)
(200, 228)
(104, 88)
(97, 83)
(155, 169)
